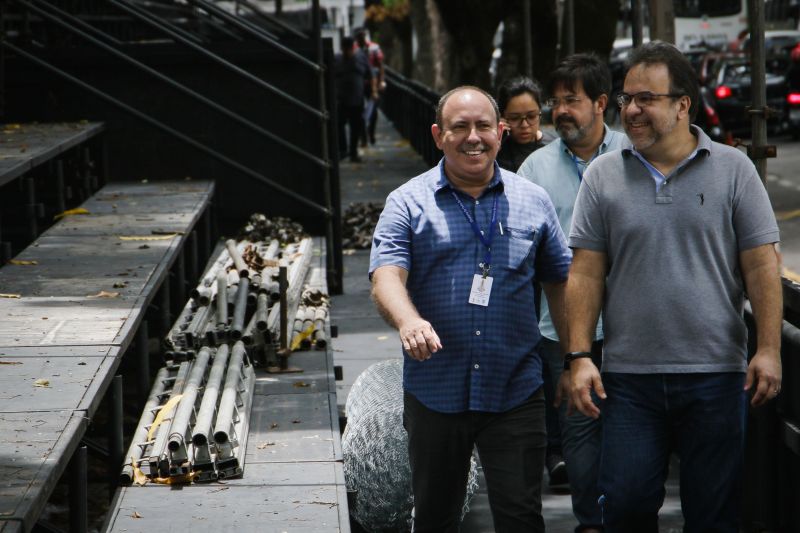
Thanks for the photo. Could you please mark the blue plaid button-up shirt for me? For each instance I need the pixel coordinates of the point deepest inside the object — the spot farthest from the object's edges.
(488, 360)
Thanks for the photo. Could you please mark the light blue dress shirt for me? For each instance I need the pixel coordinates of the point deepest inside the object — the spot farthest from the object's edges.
(555, 169)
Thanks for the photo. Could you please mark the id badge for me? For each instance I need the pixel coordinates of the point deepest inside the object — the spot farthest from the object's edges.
(481, 290)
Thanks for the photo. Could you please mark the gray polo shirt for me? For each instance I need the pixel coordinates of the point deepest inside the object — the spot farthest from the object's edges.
(554, 169)
(674, 293)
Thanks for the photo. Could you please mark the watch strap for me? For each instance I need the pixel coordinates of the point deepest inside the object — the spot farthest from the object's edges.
(571, 356)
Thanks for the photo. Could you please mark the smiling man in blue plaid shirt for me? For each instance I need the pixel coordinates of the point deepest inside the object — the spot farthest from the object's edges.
(454, 258)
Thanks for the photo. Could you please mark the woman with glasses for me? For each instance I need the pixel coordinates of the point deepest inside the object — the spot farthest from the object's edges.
(519, 100)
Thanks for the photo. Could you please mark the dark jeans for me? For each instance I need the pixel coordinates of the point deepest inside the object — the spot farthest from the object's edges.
(701, 417)
(580, 438)
(511, 447)
(350, 116)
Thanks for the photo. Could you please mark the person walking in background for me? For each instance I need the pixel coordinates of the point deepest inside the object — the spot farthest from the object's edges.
(520, 103)
(454, 257)
(668, 234)
(374, 54)
(519, 100)
(579, 89)
(352, 75)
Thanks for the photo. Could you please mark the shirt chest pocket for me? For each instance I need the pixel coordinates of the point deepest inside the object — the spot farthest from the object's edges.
(514, 249)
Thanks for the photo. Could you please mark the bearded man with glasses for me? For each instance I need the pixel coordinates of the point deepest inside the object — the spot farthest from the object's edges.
(579, 89)
(668, 234)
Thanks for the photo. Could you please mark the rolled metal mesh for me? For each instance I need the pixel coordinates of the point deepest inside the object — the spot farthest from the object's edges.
(375, 449)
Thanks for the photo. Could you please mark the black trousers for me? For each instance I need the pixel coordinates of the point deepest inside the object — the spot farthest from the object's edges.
(511, 447)
(351, 116)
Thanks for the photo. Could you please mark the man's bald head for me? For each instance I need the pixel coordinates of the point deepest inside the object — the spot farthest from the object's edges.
(448, 94)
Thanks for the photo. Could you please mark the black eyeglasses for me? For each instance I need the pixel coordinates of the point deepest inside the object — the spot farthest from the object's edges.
(642, 99)
(516, 120)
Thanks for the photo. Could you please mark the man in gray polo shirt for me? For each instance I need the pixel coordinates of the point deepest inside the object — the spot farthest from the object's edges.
(668, 234)
(579, 89)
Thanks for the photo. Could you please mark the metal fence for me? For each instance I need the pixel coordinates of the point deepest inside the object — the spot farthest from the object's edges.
(411, 106)
(772, 466)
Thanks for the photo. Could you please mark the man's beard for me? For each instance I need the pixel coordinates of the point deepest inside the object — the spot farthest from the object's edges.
(572, 134)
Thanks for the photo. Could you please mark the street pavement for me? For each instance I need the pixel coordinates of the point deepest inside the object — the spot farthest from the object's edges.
(783, 186)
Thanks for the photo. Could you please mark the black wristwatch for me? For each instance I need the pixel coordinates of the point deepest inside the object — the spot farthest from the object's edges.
(571, 356)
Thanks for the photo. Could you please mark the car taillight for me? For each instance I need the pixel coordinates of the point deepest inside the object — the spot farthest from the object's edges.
(713, 118)
(793, 98)
(723, 92)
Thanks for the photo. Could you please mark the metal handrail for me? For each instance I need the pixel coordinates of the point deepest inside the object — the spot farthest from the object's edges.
(172, 31)
(169, 81)
(144, 15)
(272, 19)
(260, 33)
(171, 131)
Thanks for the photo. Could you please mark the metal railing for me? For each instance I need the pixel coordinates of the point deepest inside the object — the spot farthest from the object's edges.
(236, 26)
(411, 106)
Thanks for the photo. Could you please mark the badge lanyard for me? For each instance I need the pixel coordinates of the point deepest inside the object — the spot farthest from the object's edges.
(486, 240)
(578, 165)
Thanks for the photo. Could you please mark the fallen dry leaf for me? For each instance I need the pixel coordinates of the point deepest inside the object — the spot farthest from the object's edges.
(7, 295)
(383, 338)
(138, 476)
(296, 421)
(104, 294)
(136, 515)
(21, 262)
(10, 362)
(70, 212)
(301, 384)
(273, 425)
(264, 445)
(120, 285)
(41, 383)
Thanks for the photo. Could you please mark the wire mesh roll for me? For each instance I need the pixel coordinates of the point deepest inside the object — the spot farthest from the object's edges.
(375, 450)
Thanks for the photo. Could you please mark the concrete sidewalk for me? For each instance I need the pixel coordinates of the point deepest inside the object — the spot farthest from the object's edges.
(364, 338)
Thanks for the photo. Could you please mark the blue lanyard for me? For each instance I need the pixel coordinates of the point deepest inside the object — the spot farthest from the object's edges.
(578, 165)
(486, 240)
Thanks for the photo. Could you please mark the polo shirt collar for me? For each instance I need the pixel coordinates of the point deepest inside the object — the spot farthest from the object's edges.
(439, 181)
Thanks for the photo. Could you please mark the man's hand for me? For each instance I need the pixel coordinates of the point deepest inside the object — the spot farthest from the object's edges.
(419, 339)
(765, 373)
(585, 377)
(563, 392)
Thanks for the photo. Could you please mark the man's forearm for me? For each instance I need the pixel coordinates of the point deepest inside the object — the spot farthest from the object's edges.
(391, 297)
(762, 280)
(584, 298)
(556, 294)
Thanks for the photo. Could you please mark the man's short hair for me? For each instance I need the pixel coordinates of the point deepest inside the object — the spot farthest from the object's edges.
(347, 43)
(515, 87)
(451, 92)
(682, 77)
(588, 70)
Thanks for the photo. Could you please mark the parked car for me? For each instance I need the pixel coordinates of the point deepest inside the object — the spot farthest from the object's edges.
(708, 119)
(729, 88)
(776, 42)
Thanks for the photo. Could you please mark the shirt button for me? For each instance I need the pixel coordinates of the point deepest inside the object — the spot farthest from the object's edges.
(477, 366)
(477, 202)
(478, 332)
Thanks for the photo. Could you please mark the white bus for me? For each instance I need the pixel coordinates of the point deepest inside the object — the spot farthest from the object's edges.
(713, 22)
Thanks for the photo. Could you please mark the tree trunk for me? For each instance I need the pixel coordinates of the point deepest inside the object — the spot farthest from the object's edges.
(595, 26)
(544, 36)
(472, 25)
